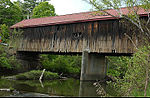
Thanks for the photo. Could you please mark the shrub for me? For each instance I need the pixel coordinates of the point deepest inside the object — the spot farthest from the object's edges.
(7, 59)
(4, 33)
(4, 59)
(117, 66)
(62, 64)
(135, 80)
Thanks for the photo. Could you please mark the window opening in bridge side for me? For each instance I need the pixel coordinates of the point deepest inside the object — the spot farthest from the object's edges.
(58, 28)
(77, 35)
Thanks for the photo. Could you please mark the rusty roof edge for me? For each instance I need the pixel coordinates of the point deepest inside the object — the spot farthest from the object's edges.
(66, 22)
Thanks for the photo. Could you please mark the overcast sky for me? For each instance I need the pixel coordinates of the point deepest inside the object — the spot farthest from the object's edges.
(63, 7)
(70, 6)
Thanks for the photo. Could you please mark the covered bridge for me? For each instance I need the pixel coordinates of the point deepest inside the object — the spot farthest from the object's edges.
(74, 33)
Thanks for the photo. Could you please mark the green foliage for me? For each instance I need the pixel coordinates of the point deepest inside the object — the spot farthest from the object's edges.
(4, 61)
(140, 93)
(7, 59)
(117, 66)
(9, 13)
(35, 75)
(44, 9)
(132, 74)
(28, 6)
(61, 64)
(136, 75)
(4, 33)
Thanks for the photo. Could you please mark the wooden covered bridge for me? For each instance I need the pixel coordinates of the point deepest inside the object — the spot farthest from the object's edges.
(100, 35)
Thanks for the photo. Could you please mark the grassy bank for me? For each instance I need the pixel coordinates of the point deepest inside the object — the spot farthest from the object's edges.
(35, 75)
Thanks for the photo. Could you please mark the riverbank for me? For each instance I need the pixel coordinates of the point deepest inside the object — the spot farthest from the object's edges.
(33, 75)
(36, 74)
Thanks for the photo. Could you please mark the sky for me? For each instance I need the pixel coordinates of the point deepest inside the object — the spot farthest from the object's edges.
(63, 7)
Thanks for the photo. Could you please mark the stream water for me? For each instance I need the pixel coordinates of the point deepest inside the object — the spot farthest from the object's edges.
(30, 88)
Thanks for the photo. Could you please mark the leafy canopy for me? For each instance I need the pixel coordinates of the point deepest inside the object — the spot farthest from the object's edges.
(44, 9)
(9, 13)
(28, 6)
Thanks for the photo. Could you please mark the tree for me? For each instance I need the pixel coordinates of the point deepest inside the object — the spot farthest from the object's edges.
(44, 9)
(19, 4)
(9, 13)
(138, 67)
(29, 5)
(137, 76)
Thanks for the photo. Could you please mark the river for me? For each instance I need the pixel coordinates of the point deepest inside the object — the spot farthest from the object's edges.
(30, 88)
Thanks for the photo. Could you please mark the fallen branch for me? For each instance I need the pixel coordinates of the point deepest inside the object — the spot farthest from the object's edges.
(5, 89)
(41, 84)
(41, 75)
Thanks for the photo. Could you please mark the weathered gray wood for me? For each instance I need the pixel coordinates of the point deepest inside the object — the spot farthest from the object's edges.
(98, 36)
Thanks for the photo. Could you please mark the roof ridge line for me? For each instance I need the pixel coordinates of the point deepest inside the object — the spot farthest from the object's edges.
(60, 15)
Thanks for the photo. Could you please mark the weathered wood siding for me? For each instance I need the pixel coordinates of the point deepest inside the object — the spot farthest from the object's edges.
(98, 36)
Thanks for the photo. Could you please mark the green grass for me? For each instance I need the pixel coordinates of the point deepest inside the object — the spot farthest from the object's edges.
(35, 75)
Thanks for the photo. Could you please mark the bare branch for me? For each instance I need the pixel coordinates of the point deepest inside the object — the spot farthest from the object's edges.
(137, 17)
(148, 19)
(97, 7)
(147, 76)
(131, 41)
(126, 17)
(148, 30)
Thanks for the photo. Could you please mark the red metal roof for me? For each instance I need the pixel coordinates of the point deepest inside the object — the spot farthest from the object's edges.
(72, 18)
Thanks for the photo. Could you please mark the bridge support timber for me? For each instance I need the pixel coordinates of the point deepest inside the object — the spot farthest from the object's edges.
(93, 67)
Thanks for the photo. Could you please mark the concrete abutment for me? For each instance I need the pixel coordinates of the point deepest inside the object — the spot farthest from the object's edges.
(93, 67)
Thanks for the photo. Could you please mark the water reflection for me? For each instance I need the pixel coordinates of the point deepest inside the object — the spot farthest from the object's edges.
(87, 88)
(69, 87)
